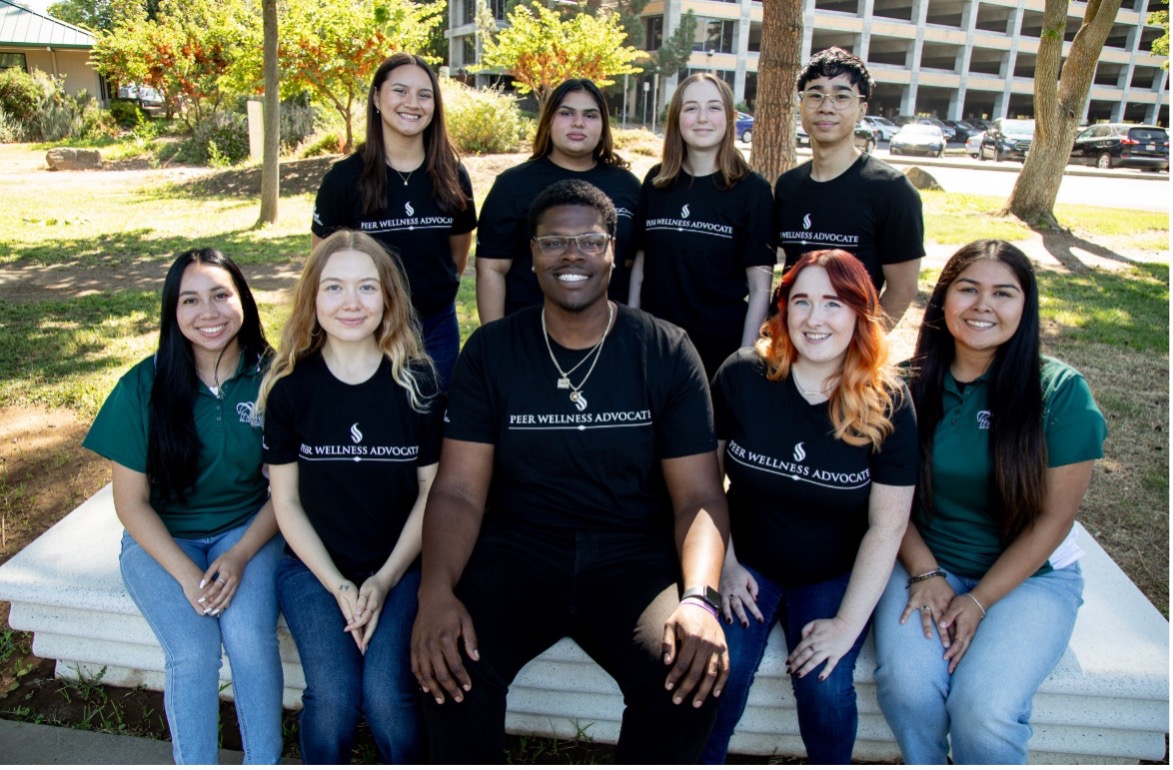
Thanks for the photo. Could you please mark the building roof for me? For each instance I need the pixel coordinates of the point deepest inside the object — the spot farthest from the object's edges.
(23, 27)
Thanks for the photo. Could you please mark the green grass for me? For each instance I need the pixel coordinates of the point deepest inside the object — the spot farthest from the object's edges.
(1127, 308)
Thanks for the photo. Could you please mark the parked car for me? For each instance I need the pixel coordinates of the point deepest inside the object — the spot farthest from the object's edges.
(144, 95)
(883, 128)
(918, 139)
(964, 130)
(974, 143)
(744, 127)
(1007, 139)
(1122, 145)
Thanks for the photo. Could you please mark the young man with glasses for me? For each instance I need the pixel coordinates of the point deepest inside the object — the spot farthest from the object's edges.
(577, 495)
(845, 199)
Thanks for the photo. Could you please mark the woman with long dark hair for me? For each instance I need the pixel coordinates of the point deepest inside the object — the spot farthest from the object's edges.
(405, 187)
(352, 437)
(818, 440)
(704, 228)
(199, 554)
(573, 141)
(990, 568)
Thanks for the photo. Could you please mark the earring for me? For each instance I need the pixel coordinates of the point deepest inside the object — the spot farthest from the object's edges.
(533, 268)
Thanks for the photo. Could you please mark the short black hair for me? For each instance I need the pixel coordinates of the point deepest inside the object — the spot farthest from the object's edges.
(834, 62)
(573, 192)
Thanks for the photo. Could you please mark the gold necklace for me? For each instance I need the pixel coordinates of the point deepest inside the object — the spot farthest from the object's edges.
(564, 383)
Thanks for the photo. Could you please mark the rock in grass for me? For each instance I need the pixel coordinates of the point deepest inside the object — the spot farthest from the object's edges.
(921, 179)
(73, 159)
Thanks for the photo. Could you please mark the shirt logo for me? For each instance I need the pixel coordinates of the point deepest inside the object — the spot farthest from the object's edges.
(983, 419)
(355, 433)
(806, 222)
(684, 212)
(407, 208)
(317, 219)
(247, 411)
(623, 213)
(799, 452)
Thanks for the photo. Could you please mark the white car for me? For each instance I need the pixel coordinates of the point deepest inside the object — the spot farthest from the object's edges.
(918, 139)
(973, 145)
(882, 127)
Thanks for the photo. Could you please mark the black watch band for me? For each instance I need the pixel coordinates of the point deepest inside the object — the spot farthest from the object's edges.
(707, 595)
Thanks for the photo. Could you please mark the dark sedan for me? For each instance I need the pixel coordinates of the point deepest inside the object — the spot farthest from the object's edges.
(1122, 145)
(1007, 139)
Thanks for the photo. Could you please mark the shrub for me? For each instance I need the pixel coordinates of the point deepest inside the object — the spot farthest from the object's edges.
(330, 143)
(299, 118)
(638, 141)
(481, 121)
(11, 129)
(20, 94)
(221, 139)
(126, 112)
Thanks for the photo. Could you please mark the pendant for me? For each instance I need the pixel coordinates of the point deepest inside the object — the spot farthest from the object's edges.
(564, 384)
(579, 400)
(574, 396)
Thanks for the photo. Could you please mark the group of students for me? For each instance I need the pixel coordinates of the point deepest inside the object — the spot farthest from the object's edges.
(429, 519)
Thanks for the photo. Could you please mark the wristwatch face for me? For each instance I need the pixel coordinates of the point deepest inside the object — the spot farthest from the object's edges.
(706, 594)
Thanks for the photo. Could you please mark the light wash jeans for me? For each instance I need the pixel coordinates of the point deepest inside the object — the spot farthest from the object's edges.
(191, 647)
(984, 708)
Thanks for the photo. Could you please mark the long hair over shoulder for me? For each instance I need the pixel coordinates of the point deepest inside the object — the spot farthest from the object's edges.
(544, 144)
(398, 336)
(731, 163)
(869, 389)
(441, 161)
(173, 446)
(1017, 439)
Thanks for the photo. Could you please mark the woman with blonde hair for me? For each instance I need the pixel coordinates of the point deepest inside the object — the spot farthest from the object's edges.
(704, 227)
(352, 436)
(818, 440)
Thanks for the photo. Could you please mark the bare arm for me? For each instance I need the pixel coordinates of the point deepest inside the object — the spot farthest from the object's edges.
(452, 522)
(900, 286)
(209, 591)
(759, 277)
(637, 280)
(693, 639)
(829, 639)
(314, 241)
(460, 244)
(1066, 486)
(491, 288)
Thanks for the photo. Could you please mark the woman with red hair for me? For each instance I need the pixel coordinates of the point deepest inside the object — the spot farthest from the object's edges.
(818, 440)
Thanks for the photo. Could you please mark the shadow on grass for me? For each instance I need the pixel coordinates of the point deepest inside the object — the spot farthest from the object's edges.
(297, 177)
(1060, 244)
(1128, 308)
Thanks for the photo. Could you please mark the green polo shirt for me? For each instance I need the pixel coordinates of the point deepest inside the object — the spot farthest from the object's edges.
(229, 486)
(962, 532)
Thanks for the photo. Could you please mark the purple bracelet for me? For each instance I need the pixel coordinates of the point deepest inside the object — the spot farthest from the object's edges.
(702, 604)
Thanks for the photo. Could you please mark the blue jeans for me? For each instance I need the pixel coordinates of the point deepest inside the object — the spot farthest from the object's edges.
(343, 685)
(191, 648)
(441, 334)
(827, 716)
(984, 707)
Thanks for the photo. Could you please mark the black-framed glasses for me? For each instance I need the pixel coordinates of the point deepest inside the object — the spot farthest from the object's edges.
(840, 100)
(591, 244)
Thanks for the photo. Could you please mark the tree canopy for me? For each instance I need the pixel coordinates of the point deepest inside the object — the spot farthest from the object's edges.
(540, 49)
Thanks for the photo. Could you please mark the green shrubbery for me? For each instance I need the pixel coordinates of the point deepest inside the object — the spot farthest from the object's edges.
(37, 107)
(482, 121)
(126, 113)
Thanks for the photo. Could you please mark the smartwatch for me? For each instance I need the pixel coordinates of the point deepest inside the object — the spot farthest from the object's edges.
(707, 595)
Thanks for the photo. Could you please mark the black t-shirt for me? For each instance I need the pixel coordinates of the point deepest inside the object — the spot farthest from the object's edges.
(798, 497)
(698, 241)
(412, 223)
(504, 230)
(557, 467)
(870, 210)
(357, 449)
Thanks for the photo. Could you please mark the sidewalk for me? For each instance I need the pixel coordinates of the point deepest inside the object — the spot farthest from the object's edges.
(29, 744)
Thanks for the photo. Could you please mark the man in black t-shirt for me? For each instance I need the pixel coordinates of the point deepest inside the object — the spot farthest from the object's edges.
(843, 199)
(577, 495)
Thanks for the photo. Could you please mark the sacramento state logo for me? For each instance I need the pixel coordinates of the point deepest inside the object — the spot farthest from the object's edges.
(806, 222)
(684, 212)
(799, 452)
(410, 211)
(355, 433)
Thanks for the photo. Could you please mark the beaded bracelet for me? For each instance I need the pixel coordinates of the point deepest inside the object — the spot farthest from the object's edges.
(925, 576)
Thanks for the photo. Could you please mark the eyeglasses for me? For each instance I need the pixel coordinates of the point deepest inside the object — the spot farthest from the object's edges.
(591, 244)
(840, 100)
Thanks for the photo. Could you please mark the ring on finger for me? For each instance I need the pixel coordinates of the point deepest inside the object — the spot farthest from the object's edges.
(925, 607)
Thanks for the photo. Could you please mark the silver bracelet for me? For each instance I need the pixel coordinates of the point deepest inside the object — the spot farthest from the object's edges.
(979, 604)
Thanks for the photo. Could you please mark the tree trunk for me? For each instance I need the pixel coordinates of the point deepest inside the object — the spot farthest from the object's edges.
(1059, 105)
(271, 164)
(778, 65)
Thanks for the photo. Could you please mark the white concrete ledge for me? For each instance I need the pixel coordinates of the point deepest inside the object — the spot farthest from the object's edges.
(1106, 702)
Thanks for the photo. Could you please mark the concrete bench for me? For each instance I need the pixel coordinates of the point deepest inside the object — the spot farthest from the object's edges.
(1106, 701)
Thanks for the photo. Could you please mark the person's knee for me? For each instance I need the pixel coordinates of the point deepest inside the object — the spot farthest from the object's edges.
(986, 710)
